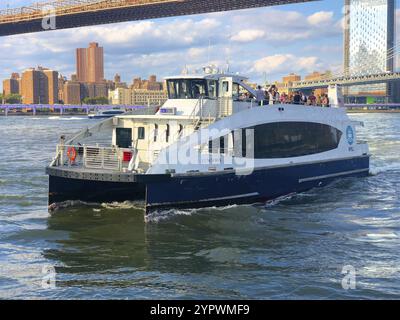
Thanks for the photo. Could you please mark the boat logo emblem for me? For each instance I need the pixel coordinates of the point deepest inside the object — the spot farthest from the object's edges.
(350, 135)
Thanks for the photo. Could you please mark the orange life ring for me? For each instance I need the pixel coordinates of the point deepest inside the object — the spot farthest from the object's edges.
(71, 153)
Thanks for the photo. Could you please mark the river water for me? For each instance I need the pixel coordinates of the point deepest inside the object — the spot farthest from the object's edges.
(294, 248)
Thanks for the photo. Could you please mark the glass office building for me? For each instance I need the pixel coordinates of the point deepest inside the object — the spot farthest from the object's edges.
(369, 44)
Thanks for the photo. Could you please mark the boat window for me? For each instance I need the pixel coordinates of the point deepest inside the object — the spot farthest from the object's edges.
(191, 88)
(212, 89)
(141, 133)
(124, 137)
(198, 88)
(225, 86)
(167, 132)
(171, 90)
(155, 132)
(293, 139)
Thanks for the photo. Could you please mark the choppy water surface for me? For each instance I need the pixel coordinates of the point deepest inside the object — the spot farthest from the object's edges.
(290, 249)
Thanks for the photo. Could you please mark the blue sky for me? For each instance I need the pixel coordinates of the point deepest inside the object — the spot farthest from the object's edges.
(261, 43)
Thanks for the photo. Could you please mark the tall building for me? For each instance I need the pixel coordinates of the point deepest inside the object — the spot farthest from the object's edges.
(72, 93)
(50, 84)
(11, 85)
(90, 64)
(368, 46)
(39, 86)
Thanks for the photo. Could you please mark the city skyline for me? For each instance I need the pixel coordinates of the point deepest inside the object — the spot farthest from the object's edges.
(309, 38)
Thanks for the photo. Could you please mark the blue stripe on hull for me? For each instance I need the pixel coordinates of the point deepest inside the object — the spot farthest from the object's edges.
(220, 189)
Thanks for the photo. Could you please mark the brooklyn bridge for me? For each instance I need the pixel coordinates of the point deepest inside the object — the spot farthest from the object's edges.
(79, 13)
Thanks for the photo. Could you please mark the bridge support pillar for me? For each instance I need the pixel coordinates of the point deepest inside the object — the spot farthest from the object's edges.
(6, 111)
(61, 111)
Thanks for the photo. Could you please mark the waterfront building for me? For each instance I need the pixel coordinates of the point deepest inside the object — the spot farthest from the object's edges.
(39, 86)
(150, 84)
(90, 64)
(368, 45)
(120, 96)
(287, 82)
(72, 93)
(11, 85)
(117, 83)
(141, 97)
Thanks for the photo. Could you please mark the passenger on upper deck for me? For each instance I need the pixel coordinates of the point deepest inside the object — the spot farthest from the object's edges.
(297, 98)
(312, 100)
(274, 96)
(325, 100)
(260, 95)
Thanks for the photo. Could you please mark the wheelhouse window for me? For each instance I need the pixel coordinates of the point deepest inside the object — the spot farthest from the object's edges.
(192, 88)
(141, 133)
(293, 139)
(212, 89)
(225, 86)
(124, 137)
(167, 133)
(155, 132)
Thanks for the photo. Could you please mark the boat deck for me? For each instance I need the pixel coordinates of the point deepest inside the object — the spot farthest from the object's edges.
(91, 174)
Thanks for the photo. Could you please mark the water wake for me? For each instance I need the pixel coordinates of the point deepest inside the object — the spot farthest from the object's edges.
(123, 205)
(375, 170)
(163, 215)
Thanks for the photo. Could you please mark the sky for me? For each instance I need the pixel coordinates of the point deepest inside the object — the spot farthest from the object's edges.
(263, 44)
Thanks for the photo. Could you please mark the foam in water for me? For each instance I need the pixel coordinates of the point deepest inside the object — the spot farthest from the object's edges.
(375, 170)
(123, 205)
(162, 215)
(53, 208)
(278, 200)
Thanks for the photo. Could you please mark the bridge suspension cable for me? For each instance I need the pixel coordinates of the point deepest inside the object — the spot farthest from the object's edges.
(391, 54)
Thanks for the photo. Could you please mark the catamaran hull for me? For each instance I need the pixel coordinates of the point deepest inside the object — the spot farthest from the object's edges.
(264, 184)
(63, 189)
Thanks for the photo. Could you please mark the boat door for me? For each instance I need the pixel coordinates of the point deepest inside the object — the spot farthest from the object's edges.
(225, 97)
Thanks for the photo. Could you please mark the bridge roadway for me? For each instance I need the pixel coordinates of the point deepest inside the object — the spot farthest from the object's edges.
(347, 81)
(79, 13)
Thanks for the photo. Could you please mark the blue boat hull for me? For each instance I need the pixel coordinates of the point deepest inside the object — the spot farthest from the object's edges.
(227, 188)
(63, 189)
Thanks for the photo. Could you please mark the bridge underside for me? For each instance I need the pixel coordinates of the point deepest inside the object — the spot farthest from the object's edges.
(143, 12)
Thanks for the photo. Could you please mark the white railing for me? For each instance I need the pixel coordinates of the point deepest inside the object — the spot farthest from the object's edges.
(93, 157)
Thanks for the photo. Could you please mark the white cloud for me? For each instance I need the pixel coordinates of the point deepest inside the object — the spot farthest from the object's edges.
(164, 46)
(248, 35)
(320, 18)
(286, 63)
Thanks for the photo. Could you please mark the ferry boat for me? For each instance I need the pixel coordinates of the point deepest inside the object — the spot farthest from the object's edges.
(210, 144)
(106, 114)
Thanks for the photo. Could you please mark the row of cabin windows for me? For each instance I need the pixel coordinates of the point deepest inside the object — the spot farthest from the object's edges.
(271, 140)
(124, 135)
(280, 140)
